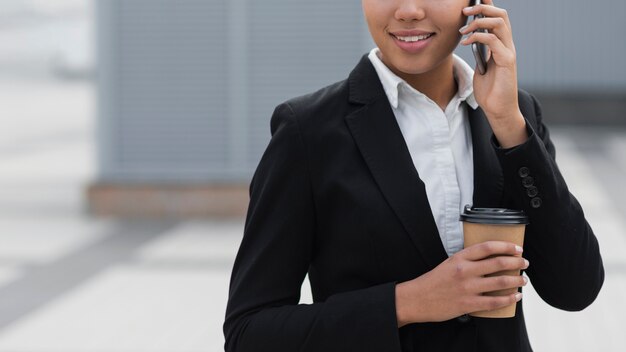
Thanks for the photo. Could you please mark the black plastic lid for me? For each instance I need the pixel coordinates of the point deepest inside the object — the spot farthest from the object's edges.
(494, 216)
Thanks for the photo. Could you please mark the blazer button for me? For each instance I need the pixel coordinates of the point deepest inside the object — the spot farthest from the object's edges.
(528, 181)
(535, 202)
(532, 191)
(463, 319)
(523, 172)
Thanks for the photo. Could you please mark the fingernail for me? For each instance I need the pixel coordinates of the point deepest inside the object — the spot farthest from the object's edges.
(467, 9)
(519, 249)
(526, 263)
(525, 279)
(518, 296)
(462, 29)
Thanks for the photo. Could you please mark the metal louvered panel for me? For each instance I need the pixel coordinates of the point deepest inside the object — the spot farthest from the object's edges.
(187, 87)
(565, 45)
(296, 47)
(168, 89)
(172, 84)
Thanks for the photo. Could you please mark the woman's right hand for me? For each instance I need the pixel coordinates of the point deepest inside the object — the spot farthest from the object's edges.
(455, 286)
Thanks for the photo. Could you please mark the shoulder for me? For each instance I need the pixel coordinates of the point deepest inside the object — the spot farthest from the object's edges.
(317, 110)
(323, 99)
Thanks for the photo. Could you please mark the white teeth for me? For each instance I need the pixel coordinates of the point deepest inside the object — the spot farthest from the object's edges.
(414, 38)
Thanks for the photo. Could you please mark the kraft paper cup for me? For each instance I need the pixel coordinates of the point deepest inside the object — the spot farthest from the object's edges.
(495, 224)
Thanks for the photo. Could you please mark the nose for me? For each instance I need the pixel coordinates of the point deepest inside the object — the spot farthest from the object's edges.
(410, 10)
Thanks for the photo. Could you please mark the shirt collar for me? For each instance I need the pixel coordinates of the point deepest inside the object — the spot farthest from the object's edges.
(463, 74)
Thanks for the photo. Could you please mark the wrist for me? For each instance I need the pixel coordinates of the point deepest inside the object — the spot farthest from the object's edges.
(510, 131)
(402, 305)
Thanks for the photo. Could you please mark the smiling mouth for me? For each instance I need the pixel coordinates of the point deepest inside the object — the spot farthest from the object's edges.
(414, 38)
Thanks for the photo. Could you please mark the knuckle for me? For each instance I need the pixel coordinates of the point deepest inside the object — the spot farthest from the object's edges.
(456, 259)
(488, 247)
(505, 13)
(494, 303)
(460, 270)
(503, 281)
(501, 262)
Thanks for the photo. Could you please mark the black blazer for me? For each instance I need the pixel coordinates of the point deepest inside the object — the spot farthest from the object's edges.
(336, 195)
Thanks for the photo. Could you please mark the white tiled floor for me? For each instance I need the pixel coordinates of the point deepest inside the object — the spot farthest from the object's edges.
(48, 239)
(606, 220)
(617, 148)
(129, 308)
(8, 273)
(597, 328)
(196, 242)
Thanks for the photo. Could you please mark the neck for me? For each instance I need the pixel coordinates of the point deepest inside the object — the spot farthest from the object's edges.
(437, 84)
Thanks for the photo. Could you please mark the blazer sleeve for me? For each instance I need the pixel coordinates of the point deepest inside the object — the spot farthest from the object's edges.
(565, 264)
(263, 313)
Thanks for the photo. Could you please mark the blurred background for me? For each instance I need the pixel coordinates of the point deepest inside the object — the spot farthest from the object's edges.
(131, 128)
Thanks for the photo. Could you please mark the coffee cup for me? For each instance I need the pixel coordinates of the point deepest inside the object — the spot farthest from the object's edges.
(494, 224)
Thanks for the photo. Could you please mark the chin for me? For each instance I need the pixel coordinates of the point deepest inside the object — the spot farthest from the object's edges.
(410, 67)
(414, 70)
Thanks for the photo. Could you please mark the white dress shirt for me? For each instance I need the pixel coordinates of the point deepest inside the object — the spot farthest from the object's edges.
(440, 144)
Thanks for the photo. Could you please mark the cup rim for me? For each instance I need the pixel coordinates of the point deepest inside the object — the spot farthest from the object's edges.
(494, 216)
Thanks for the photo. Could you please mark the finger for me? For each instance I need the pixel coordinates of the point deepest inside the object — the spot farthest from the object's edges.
(495, 25)
(488, 11)
(496, 283)
(483, 250)
(498, 264)
(494, 302)
(502, 55)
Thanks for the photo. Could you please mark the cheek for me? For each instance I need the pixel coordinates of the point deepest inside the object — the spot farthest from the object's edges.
(450, 18)
(448, 10)
(377, 12)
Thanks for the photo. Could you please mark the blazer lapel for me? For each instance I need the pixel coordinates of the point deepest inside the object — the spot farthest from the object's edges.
(380, 141)
(488, 178)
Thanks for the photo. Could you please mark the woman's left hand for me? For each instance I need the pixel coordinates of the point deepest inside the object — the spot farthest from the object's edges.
(496, 90)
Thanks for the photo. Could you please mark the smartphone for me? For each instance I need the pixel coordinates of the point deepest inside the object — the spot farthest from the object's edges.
(479, 49)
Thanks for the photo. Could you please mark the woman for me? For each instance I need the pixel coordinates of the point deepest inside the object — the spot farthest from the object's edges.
(362, 185)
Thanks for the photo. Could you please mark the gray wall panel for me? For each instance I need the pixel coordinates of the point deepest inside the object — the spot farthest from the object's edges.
(566, 45)
(297, 46)
(170, 89)
(187, 87)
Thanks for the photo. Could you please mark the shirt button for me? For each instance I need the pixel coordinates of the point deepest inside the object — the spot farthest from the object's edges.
(532, 191)
(523, 172)
(463, 319)
(535, 202)
(528, 181)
